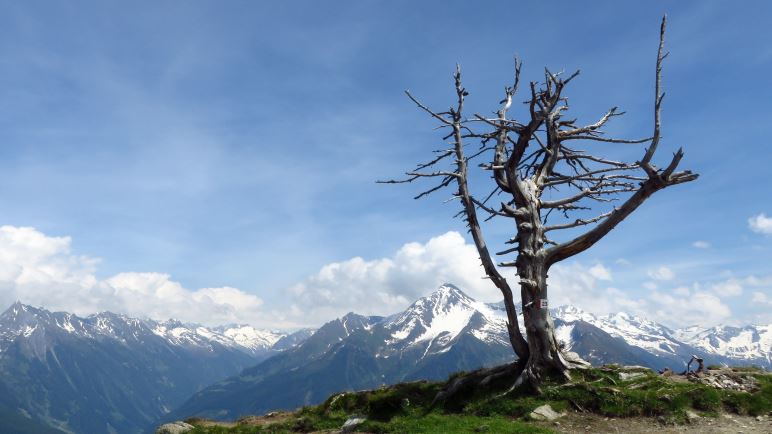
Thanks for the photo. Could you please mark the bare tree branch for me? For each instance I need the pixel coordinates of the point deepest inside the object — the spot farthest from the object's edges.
(578, 222)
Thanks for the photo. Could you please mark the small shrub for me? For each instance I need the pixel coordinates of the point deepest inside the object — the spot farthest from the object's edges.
(706, 399)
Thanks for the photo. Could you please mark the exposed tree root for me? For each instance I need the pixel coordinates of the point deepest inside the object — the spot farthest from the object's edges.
(532, 374)
(517, 373)
(486, 378)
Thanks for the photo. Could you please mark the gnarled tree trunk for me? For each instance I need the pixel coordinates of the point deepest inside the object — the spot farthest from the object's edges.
(528, 158)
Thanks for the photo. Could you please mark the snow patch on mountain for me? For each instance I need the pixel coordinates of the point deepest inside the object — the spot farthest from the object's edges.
(250, 337)
(563, 334)
(441, 317)
(745, 343)
(22, 320)
(636, 331)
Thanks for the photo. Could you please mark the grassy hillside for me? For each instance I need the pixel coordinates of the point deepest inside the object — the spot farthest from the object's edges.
(609, 391)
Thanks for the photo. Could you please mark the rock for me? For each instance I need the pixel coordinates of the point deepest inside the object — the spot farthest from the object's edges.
(545, 412)
(624, 376)
(759, 418)
(351, 424)
(178, 427)
(576, 359)
(727, 380)
(482, 428)
(691, 416)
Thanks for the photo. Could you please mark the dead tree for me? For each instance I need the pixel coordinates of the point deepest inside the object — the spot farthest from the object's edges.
(539, 170)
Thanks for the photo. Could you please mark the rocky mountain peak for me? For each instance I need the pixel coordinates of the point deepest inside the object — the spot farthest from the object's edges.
(444, 314)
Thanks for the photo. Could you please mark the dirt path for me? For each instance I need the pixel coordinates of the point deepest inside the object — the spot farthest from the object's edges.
(578, 423)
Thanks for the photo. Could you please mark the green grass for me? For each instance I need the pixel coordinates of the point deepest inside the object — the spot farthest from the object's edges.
(435, 423)
(406, 407)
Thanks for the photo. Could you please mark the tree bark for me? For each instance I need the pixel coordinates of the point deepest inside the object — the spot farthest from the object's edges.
(544, 354)
(544, 350)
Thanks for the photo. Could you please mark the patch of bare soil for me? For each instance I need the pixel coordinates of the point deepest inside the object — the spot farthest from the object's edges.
(273, 417)
(583, 423)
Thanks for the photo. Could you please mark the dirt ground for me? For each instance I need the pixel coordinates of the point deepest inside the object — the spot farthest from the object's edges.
(579, 423)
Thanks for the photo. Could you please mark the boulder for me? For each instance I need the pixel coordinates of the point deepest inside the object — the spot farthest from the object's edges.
(351, 424)
(545, 412)
(691, 416)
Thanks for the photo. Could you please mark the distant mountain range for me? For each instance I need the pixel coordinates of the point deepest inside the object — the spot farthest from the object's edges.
(447, 332)
(111, 373)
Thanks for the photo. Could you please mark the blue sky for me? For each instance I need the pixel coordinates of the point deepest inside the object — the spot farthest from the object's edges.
(236, 144)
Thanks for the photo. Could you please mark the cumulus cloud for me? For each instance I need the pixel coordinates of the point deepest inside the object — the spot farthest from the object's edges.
(600, 272)
(387, 285)
(680, 306)
(760, 224)
(584, 287)
(41, 270)
(698, 308)
(662, 273)
(699, 244)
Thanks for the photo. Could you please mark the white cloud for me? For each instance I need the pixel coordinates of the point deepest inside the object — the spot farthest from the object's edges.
(681, 306)
(600, 272)
(662, 273)
(698, 308)
(681, 290)
(386, 285)
(701, 244)
(760, 224)
(41, 270)
(582, 287)
(760, 297)
(727, 288)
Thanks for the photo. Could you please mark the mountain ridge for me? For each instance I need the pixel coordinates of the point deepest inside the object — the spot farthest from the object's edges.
(444, 332)
(108, 372)
(189, 369)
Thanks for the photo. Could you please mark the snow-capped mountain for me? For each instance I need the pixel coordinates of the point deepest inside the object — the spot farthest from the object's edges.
(444, 332)
(108, 372)
(112, 373)
(722, 344)
(438, 319)
(748, 343)
(23, 320)
(243, 337)
(636, 331)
